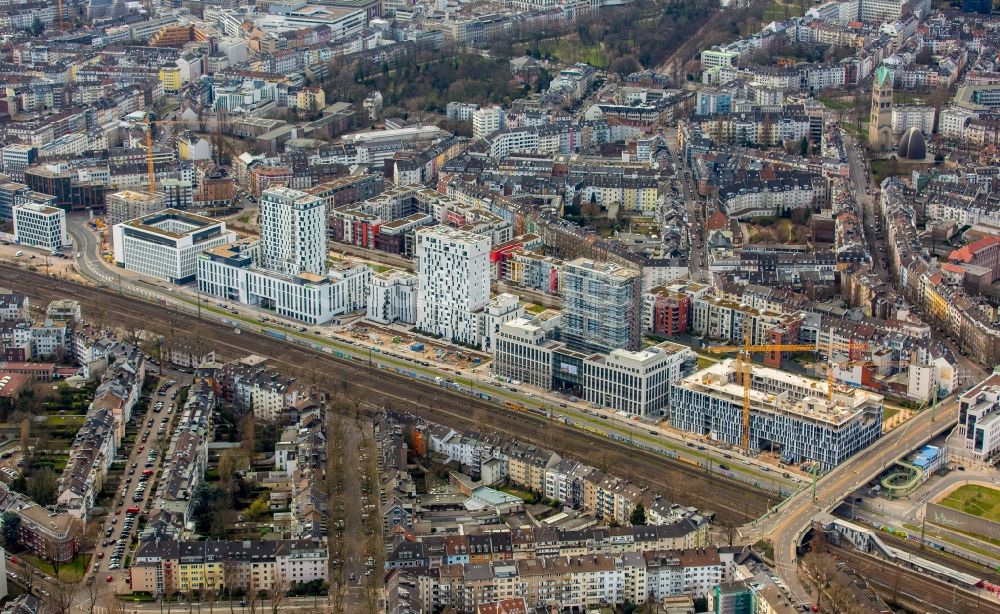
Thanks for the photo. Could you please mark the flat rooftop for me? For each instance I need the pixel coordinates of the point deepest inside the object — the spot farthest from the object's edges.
(494, 497)
(230, 250)
(643, 356)
(780, 392)
(172, 223)
(39, 208)
(604, 268)
(139, 197)
(452, 234)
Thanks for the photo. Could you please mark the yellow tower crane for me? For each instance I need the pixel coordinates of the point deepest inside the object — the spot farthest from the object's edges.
(744, 361)
(149, 146)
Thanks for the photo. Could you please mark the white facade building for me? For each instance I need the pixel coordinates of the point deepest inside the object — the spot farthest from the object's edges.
(393, 298)
(166, 244)
(501, 308)
(301, 565)
(486, 121)
(881, 10)
(461, 111)
(979, 419)
(637, 383)
(16, 157)
(286, 272)
(710, 58)
(292, 232)
(40, 226)
(787, 409)
(524, 348)
(228, 272)
(453, 272)
(953, 121)
(905, 117)
(67, 145)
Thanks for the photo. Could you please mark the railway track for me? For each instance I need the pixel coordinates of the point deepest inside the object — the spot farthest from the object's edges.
(950, 560)
(733, 502)
(925, 593)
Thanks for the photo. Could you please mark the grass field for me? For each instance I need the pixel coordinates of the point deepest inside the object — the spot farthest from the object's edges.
(837, 104)
(779, 10)
(68, 421)
(570, 50)
(981, 501)
(71, 572)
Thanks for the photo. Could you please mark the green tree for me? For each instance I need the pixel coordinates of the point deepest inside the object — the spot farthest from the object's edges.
(638, 516)
(804, 147)
(257, 509)
(10, 522)
(42, 486)
(625, 65)
(37, 27)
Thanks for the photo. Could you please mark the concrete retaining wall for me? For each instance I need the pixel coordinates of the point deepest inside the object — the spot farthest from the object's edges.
(960, 521)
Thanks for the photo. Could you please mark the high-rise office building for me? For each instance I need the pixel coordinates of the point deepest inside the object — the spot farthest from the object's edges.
(601, 306)
(292, 232)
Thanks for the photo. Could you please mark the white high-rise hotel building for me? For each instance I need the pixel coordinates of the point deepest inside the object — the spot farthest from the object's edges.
(453, 271)
(292, 232)
(286, 272)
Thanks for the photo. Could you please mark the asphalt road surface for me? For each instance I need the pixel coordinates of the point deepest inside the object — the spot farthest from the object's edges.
(786, 526)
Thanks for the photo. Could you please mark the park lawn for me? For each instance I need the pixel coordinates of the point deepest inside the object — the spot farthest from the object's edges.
(533, 308)
(836, 104)
(570, 50)
(779, 11)
(71, 572)
(981, 501)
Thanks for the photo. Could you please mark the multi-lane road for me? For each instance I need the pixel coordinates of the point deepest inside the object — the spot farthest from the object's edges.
(786, 525)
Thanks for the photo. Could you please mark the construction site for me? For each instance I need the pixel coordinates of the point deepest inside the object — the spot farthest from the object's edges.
(762, 408)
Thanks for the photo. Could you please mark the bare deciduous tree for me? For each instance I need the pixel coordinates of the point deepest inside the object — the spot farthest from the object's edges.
(93, 590)
(25, 575)
(61, 596)
(279, 591)
(248, 437)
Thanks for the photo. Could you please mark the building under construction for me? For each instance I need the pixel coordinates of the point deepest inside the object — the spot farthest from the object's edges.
(789, 413)
(601, 306)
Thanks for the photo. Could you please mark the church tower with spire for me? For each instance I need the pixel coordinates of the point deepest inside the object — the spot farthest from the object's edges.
(880, 122)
